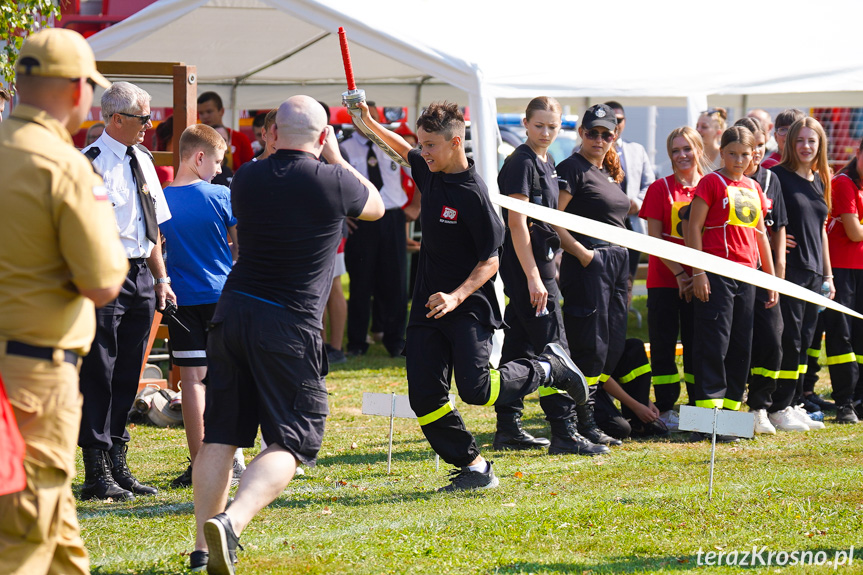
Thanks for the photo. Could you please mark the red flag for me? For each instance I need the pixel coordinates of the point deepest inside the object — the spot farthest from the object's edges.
(12, 477)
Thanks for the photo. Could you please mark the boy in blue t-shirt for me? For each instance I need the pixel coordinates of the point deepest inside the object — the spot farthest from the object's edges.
(199, 259)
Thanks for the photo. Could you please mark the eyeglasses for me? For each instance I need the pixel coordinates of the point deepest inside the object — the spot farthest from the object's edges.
(594, 134)
(143, 118)
(781, 131)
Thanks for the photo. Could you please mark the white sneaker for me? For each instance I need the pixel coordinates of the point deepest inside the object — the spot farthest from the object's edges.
(786, 420)
(803, 416)
(762, 423)
(670, 419)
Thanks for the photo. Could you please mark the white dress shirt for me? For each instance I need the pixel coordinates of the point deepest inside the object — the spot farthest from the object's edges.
(113, 163)
(356, 150)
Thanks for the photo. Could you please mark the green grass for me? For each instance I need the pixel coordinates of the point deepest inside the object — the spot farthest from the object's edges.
(641, 509)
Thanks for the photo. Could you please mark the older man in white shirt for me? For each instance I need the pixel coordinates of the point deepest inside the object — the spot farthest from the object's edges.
(111, 371)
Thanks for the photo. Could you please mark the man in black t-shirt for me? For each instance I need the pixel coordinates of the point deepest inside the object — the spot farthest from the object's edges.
(267, 363)
(455, 310)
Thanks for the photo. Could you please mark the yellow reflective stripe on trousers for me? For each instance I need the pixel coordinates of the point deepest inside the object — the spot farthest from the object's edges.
(664, 379)
(844, 358)
(802, 368)
(860, 359)
(546, 391)
(764, 372)
(710, 403)
(593, 380)
(436, 414)
(494, 384)
(729, 404)
(688, 377)
(813, 352)
(603, 378)
(640, 370)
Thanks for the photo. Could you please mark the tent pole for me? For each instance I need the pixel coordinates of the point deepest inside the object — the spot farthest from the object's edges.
(235, 115)
(418, 101)
(651, 134)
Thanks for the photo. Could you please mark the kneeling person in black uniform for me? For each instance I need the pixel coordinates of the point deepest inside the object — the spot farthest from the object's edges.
(455, 309)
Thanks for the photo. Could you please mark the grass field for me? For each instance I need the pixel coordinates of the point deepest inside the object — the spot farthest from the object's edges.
(642, 508)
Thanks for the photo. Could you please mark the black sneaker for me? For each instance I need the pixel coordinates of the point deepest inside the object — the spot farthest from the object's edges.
(198, 561)
(823, 404)
(184, 480)
(652, 429)
(237, 472)
(222, 544)
(809, 405)
(846, 414)
(463, 479)
(565, 374)
(335, 356)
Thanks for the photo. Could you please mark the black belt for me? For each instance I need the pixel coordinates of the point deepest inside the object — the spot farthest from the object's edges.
(46, 353)
(591, 243)
(137, 261)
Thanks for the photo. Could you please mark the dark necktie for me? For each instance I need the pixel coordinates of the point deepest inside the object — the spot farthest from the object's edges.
(374, 168)
(147, 204)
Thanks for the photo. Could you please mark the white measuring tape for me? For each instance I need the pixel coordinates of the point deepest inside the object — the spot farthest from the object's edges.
(667, 250)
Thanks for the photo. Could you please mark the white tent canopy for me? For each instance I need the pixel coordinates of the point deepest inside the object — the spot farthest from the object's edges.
(258, 52)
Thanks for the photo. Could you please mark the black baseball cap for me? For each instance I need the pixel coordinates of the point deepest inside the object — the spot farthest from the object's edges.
(599, 115)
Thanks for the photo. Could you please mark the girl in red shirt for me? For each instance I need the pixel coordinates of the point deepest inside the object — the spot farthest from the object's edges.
(845, 334)
(726, 220)
(669, 284)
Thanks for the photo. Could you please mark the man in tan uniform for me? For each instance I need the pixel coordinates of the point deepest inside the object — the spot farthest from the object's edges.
(59, 255)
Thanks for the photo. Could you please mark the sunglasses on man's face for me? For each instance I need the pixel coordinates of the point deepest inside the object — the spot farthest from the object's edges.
(594, 134)
(143, 118)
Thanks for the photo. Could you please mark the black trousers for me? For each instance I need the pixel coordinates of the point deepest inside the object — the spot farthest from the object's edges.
(594, 310)
(845, 336)
(111, 371)
(376, 262)
(527, 336)
(766, 352)
(799, 319)
(723, 342)
(667, 316)
(462, 345)
(633, 374)
(813, 354)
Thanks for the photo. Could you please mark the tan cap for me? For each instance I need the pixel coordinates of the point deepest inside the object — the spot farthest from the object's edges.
(58, 53)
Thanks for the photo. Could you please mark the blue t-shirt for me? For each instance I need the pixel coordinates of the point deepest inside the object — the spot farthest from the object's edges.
(198, 255)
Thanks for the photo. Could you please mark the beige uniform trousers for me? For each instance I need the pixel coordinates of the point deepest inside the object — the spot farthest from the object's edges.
(39, 532)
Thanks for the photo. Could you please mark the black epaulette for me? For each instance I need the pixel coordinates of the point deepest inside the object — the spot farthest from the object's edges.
(91, 155)
(143, 148)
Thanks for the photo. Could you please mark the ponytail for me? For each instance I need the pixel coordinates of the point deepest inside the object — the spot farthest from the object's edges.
(851, 170)
(611, 163)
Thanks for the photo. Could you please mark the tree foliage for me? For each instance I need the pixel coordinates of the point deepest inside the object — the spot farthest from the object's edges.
(18, 19)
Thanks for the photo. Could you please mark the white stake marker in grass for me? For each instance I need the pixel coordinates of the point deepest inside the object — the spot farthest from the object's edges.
(392, 406)
(716, 422)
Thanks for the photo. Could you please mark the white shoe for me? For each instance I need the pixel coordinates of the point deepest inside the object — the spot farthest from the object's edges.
(670, 419)
(762, 423)
(786, 420)
(803, 416)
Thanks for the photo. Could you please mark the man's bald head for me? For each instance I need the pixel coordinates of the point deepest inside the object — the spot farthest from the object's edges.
(762, 116)
(299, 121)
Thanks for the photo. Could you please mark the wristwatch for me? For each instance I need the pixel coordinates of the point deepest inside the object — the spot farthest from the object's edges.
(164, 280)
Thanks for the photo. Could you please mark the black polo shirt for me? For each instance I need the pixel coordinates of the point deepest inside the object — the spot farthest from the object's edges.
(595, 194)
(290, 209)
(807, 211)
(520, 175)
(460, 229)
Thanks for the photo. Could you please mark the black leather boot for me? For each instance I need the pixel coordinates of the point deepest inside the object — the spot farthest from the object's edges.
(123, 475)
(587, 424)
(566, 439)
(98, 482)
(511, 436)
